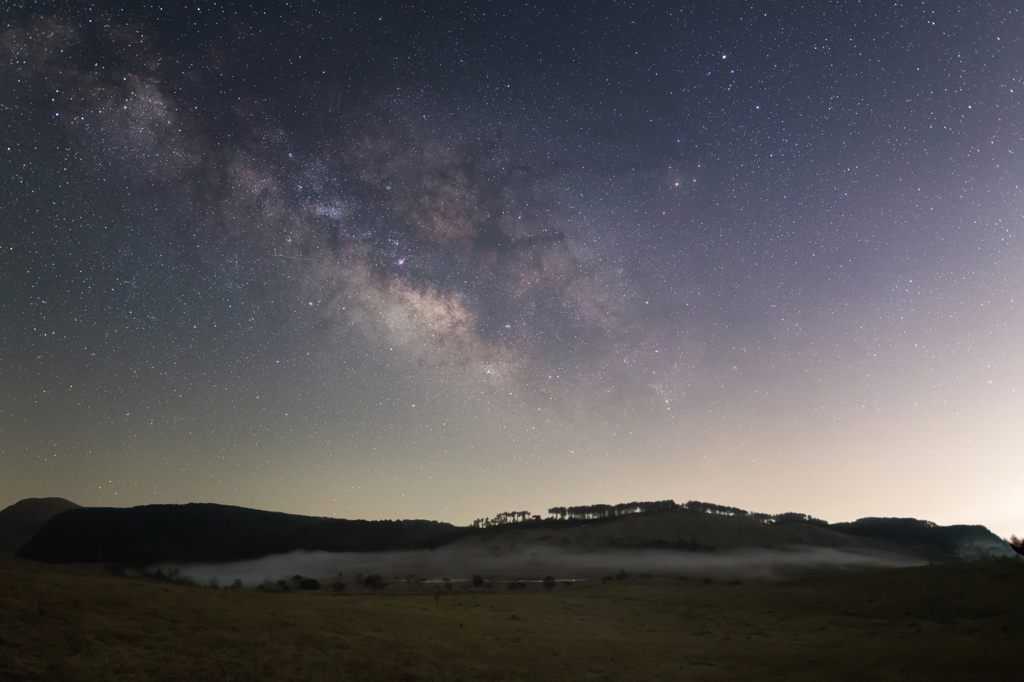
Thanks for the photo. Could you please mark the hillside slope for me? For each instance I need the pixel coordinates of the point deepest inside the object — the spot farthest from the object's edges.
(677, 529)
(22, 520)
(965, 542)
(144, 535)
(684, 529)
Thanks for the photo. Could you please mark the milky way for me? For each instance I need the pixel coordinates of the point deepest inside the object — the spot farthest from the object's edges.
(439, 262)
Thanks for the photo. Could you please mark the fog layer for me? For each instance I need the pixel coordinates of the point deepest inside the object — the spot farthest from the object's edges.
(537, 562)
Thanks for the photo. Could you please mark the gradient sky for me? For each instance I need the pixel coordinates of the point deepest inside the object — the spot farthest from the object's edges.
(442, 260)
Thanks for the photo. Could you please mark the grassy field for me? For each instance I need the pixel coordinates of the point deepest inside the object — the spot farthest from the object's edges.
(932, 623)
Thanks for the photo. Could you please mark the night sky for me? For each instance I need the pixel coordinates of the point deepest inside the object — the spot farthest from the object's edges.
(413, 260)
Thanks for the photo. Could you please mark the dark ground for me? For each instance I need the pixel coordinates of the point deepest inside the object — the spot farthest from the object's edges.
(940, 622)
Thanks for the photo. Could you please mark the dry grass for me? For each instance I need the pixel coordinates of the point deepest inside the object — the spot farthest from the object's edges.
(938, 622)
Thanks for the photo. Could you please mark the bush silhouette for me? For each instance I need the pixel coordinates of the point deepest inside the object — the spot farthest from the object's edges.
(309, 584)
(1017, 544)
(478, 581)
(374, 582)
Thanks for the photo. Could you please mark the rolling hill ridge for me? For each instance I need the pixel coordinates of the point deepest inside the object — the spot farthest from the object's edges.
(139, 536)
(22, 520)
(57, 531)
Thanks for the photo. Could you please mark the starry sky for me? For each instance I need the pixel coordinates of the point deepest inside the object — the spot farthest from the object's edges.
(442, 260)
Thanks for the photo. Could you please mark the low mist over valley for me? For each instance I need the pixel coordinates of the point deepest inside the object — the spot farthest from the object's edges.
(531, 563)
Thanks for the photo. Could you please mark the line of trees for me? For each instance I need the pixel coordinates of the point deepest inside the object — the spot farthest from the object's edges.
(504, 518)
(790, 517)
(601, 511)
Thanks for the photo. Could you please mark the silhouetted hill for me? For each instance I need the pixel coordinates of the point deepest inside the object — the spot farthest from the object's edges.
(687, 529)
(22, 520)
(140, 536)
(681, 529)
(965, 542)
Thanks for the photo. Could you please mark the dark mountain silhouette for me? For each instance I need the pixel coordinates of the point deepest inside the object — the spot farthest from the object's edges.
(678, 528)
(22, 520)
(139, 536)
(696, 525)
(965, 542)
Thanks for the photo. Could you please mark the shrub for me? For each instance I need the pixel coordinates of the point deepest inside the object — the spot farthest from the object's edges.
(237, 585)
(1017, 544)
(478, 581)
(374, 582)
(338, 586)
(309, 584)
(549, 582)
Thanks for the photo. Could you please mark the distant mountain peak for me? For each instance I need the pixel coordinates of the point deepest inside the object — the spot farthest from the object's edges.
(23, 519)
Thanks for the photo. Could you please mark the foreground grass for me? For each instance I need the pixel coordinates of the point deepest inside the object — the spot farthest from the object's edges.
(931, 623)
